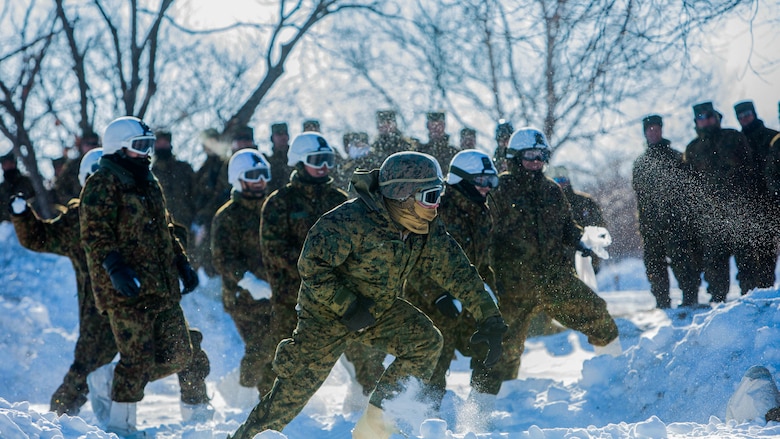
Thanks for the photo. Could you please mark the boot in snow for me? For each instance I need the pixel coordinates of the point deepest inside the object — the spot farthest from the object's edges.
(122, 419)
(373, 425)
(612, 348)
(755, 396)
(100, 382)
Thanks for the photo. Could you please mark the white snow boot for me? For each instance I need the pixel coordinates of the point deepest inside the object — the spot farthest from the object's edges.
(756, 394)
(373, 425)
(99, 383)
(612, 348)
(196, 412)
(122, 419)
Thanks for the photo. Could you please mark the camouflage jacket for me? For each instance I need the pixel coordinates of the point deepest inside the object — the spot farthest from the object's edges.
(357, 249)
(207, 191)
(441, 149)
(390, 143)
(287, 215)
(722, 161)
(177, 180)
(118, 214)
(280, 172)
(471, 225)
(534, 227)
(59, 235)
(235, 241)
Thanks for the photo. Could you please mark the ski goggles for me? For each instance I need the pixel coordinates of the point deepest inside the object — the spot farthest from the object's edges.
(429, 198)
(256, 174)
(320, 159)
(531, 155)
(485, 180)
(143, 145)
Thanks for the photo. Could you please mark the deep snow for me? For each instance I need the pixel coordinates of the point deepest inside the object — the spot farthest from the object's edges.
(674, 379)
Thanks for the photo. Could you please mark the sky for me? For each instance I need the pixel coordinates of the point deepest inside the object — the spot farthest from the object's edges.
(678, 370)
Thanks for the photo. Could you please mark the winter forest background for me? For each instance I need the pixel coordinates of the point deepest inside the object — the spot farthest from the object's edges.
(584, 72)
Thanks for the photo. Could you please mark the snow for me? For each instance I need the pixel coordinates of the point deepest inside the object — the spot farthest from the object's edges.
(674, 379)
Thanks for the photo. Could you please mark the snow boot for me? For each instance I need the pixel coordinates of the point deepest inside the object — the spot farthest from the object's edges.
(122, 419)
(99, 383)
(612, 348)
(755, 396)
(196, 412)
(373, 425)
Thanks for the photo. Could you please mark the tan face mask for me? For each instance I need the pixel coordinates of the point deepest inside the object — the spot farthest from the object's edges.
(410, 215)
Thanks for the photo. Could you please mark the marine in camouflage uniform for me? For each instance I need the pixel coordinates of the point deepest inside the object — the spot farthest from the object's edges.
(662, 184)
(389, 139)
(722, 169)
(176, 178)
(438, 141)
(95, 345)
(280, 139)
(533, 236)
(235, 243)
(66, 185)
(13, 183)
(125, 226)
(756, 255)
(359, 156)
(504, 131)
(353, 264)
(207, 200)
(465, 212)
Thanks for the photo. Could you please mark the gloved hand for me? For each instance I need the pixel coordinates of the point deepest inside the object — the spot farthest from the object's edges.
(123, 278)
(358, 315)
(584, 251)
(447, 306)
(491, 331)
(189, 277)
(17, 204)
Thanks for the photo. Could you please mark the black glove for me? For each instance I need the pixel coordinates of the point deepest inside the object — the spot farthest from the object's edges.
(446, 305)
(189, 277)
(358, 315)
(491, 331)
(584, 251)
(17, 205)
(123, 278)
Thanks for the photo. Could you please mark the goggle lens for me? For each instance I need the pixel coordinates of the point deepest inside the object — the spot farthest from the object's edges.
(536, 154)
(318, 159)
(141, 145)
(430, 198)
(256, 174)
(486, 180)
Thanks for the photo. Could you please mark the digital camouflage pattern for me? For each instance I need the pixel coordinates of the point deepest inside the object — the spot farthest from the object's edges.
(357, 249)
(235, 244)
(662, 183)
(534, 232)
(470, 223)
(95, 345)
(208, 198)
(120, 214)
(177, 180)
(287, 215)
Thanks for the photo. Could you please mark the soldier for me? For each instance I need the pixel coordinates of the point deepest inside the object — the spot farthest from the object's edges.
(756, 255)
(280, 144)
(534, 232)
(464, 210)
(353, 265)
(360, 156)
(504, 131)
(389, 139)
(311, 125)
(176, 178)
(95, 346)
(584, 209)
(722, 169)
(13, 183)
(468, 139)
(207, 199)
(661, 183)
(438, 140)
(66, 185)
(235, 243)
(135, 262)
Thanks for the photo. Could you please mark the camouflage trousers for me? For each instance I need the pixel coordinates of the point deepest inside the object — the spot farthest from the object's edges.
(367, 361)
(685, 262)
(304, 361)
(153, 345)
(95, 347)
(252, 319)
(563, 297)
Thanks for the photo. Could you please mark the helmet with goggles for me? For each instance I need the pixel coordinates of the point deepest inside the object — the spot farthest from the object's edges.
(90, 162)
(473, 166)
(248, 165)
(407, 173)
(130, 133)
(311, 149)
(528, 144)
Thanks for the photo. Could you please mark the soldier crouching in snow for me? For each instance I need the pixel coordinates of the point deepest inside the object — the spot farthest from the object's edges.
(353, 265)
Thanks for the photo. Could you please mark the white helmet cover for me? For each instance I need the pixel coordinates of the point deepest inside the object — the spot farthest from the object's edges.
(526, 138)
(305, 144)
(89, 164)
(243, 161)
(470, 162)
(123, 130)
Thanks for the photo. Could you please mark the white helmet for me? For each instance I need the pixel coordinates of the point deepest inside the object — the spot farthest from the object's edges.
(128, 132)
(311, 149)
(89, 164)
(248, 165)
(527, 138)
(475, 167)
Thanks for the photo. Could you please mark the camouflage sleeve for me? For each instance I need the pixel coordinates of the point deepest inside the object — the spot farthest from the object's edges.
(98, 218)
(223, 248)
(279, 254)
(57, 235)
(327, 246)
(448, 266)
